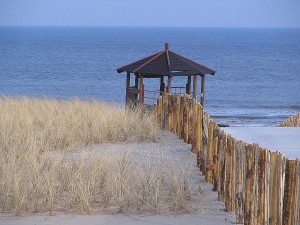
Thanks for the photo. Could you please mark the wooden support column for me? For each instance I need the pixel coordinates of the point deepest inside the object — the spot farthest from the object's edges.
(169, 84)
(141, 97)
(136, 83)
(188, 85)
(162, 85)
(202, 89)
(127, 86)
(195, 79)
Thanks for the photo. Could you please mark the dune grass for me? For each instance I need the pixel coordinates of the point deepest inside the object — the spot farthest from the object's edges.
(33, 179)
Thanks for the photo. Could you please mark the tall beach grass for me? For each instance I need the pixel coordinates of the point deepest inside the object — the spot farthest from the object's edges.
(33, 179)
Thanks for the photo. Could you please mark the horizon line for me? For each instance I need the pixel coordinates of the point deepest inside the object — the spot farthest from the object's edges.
(108, 26)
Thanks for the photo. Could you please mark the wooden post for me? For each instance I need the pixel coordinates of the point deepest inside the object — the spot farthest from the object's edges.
(209, 157)
(199, 134)
(136, 82)
(127, 86)
(141, 90)
(222, 167)
(195, 79)
(191, 124)
(202, 89)
(182, 117)
(159, 111)
(239, 185)
(186, 119)
(249, 217)
(188, 85)
(261, 186)
(169, 84)
(281, 163)
(229, 175)
(162, 85)
(178, 115)
(206, 120)
(194, 125)
(255, 185)
(290, 194)
(267, 187)
(216, 159)
(273, 189)
(169, 112)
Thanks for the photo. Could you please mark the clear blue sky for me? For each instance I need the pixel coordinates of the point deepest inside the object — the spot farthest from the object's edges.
(182, 13)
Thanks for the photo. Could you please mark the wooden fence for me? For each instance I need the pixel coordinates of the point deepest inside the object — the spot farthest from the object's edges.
(293, 121)
(260, 186)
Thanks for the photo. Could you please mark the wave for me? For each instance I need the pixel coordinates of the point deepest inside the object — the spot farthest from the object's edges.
(295, 107)
(250, 117)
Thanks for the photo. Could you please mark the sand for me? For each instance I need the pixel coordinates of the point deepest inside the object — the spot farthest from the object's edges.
(283, 139)
(168, 151)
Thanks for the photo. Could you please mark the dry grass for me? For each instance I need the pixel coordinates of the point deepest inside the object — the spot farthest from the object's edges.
(33, 179)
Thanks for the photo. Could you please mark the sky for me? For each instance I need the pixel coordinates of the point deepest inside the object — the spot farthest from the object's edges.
(151, 13)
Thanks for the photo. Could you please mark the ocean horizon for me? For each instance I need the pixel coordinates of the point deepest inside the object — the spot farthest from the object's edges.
(256, 83)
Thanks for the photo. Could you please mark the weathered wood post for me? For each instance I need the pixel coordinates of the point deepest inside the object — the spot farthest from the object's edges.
(273, 187)
(281, 163)
(186, 119)
(141, 100)
(209, 156)
(229, 175)
(188, 85)
(202, 90)
(216, 159)
(169, 84)
(250, 173)
(267, 186)
(222, 166)
(194, 125)
(159, 111)
(178, 116)
(162, 85)
(127, 86)
(165, 106)
(239, 185)
(190, 118)
(170, 112)
(195, 80)
(261, 186)
(199, 134)
(291, 194)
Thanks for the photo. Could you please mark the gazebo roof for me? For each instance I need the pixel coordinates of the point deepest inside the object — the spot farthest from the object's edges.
(166, 63)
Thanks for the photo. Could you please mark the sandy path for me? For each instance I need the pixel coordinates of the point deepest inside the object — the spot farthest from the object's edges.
(114, 220)
(203, 208)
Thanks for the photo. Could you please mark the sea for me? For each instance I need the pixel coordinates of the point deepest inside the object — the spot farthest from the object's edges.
(257, 82)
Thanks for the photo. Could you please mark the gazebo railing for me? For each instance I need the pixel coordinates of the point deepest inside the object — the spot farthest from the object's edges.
(155, 96)
(178, 89)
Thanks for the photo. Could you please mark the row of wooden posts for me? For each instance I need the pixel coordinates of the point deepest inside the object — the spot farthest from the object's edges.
(293, 121)
(260, 186)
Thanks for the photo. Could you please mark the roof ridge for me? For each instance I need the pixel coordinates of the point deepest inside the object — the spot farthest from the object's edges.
(146, 63)
(153, 55)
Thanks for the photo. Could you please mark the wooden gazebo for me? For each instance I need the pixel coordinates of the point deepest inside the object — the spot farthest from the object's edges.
(159, 65)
